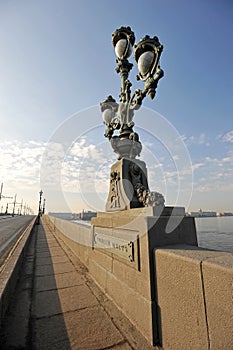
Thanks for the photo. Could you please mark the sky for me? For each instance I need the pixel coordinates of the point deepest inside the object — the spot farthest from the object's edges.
(57, 63)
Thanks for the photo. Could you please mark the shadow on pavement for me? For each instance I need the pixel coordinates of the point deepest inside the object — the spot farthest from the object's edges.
(35, 319)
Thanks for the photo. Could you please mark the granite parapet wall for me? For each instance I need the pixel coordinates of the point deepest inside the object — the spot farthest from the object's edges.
(194, 298)
(179, 296)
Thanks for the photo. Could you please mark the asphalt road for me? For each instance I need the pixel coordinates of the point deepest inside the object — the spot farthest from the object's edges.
(10, 230)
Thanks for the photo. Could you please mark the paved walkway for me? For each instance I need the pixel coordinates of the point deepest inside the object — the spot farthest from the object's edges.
(63, 307)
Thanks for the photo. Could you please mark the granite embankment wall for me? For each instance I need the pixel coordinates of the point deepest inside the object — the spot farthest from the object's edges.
(189, 288)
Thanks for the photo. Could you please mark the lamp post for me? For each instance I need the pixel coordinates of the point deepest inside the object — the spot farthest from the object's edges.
(43, 211)
(21, 206)
(24, 208)
(14, 203)
(1, 195)
(40, 210)
(128, 177)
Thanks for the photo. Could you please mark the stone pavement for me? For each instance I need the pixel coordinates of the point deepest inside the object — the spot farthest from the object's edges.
(63, 308)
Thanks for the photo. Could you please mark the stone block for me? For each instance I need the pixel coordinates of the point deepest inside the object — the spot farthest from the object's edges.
(218, 286)
(171, 230)
(144, 254)
(82, 251)
(78, 233)
(135, 338)
(181, 310)
(101, 258)
(133, 305)
(98, 273)
(133, 278)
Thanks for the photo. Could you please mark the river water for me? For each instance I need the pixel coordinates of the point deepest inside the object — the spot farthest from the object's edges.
(215, 233)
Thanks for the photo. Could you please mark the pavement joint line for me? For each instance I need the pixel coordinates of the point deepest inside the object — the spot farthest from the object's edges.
(66, 312)
(122, 342)
(52, 274)
(44, 249)
(48, 290)
(49, 255)
(50, 265)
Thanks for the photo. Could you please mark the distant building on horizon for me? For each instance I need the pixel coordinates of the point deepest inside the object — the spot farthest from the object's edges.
(202, 214)
(85, 215)
(225, 214)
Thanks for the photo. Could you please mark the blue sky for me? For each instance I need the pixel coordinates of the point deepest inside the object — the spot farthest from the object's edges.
(57, 60)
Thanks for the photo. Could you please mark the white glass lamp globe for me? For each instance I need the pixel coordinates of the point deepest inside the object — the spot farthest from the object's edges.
(121, 49)
(145, 62)
(107, 116)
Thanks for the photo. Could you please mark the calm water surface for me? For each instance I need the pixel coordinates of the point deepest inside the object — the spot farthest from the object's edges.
(215, 233)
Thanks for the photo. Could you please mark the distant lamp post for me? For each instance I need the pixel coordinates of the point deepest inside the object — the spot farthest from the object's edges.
(43, 211)
(128, 178)
(1, 195)
(1, 191)
(14, 203)
(21, 206)
(40, 210)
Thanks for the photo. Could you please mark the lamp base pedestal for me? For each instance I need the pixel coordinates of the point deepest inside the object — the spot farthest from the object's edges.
(122, 194)
(129, 187)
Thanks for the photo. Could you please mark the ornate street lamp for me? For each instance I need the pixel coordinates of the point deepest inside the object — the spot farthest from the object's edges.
(128, 178)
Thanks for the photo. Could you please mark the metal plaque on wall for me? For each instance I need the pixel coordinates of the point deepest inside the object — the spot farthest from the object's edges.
(120, 247)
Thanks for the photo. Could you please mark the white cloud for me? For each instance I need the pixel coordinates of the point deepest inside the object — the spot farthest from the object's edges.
(228, 137)
(20, 171)
(88, 166)
(197, 166)
(84, 168)
(20, 161)
(214, 175)
(201, 139)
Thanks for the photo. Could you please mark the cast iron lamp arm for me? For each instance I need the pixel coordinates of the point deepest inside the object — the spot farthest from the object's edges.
(149, 88)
